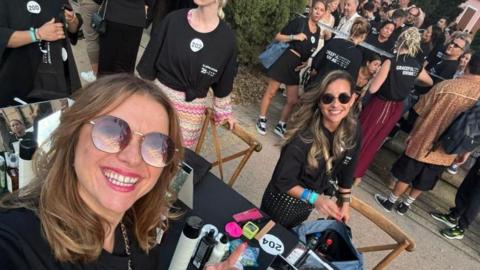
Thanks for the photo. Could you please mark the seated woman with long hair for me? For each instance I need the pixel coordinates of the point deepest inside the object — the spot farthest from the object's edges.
(99, 196)
(322, 143)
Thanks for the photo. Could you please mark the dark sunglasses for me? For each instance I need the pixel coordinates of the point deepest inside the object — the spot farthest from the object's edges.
(111, 134)
(328, 98)
(456, 45)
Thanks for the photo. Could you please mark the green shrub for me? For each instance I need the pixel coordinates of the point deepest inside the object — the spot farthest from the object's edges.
(256, 22)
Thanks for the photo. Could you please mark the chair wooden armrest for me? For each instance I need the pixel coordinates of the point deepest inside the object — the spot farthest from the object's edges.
(403, 241)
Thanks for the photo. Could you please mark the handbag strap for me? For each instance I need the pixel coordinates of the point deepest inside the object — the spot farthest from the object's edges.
(103, 6)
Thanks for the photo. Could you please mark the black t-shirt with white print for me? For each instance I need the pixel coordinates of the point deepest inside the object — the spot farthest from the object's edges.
(338, 54)
(309, 45)
(401, 78)
(189, 61)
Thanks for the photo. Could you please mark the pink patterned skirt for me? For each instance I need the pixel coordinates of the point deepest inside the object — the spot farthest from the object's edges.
(191, 114)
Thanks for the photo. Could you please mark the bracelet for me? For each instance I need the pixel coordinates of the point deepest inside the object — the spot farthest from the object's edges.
(345, 192)
(37, 35)
(32, 35)
(291, 37)
(305, 195)
(313, 198)
(347, 199)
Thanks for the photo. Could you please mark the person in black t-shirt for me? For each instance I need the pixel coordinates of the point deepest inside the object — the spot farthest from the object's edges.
(313, 154)
(303, 36)
(99, 199)
(191, 51)
(381, 40)
(390, 87)
(340, 54)
(36, 58)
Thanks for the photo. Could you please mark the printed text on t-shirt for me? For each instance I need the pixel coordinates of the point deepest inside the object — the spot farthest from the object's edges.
(208, 70)
(338, 59)
(408, 71)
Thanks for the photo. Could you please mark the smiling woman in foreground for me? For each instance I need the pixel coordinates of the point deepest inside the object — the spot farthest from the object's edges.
(100, 192)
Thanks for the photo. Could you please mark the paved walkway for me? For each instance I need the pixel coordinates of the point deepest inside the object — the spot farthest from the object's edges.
(432, 252)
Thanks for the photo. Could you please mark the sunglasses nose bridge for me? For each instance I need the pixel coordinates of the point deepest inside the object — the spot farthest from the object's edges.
(131, 153)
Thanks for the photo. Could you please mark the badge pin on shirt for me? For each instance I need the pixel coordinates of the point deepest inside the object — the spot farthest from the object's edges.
(196, 45)
(312, 39)
(33, 7)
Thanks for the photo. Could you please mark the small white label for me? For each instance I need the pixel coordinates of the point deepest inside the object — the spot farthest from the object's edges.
(312, 39)
(271, 244)
(33, 7)
(64, 55)
(196, 44)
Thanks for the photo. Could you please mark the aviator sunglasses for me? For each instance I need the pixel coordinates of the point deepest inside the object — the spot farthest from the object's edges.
(329, 98)
(111, 134)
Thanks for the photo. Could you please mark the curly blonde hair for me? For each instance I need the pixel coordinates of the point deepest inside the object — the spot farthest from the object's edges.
(409, 40)
(221, 5)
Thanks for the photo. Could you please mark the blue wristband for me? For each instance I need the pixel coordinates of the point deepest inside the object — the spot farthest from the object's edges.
(305, 194)
(32, 34)
(313, 198)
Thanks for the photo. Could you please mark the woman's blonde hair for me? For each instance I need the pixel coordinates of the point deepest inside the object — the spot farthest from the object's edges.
(309, 117)
(73, 231)
(409, 41)
(221, 5)
(360, 28)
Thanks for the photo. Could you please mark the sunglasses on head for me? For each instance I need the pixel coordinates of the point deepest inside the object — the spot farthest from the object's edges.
(329, 98)
(111, 134)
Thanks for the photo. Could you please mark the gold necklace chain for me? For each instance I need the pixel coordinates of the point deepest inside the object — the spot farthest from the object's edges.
(127, 245)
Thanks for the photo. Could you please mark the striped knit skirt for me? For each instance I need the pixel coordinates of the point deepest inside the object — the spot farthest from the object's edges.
(191, 114)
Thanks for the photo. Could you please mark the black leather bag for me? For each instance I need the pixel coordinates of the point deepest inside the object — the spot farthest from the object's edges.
(98, 19)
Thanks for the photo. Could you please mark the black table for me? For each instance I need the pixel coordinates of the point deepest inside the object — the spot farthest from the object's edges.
(215, 202)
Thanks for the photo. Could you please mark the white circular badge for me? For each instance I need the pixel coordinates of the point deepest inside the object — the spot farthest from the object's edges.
(196, 44)
(64, 55)
(33, 7)
(271, 244)
(312, 39)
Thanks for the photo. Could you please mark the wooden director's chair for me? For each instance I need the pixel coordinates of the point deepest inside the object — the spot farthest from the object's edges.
(253, 145)
(403, 241)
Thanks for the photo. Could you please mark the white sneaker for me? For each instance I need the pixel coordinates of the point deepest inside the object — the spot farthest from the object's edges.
(88, 76)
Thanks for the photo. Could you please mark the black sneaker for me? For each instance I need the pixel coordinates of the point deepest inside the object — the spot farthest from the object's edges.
(280, 130)
(262, 126)
(402, 208)
(445, 219)
(384, 202)
(453, 233)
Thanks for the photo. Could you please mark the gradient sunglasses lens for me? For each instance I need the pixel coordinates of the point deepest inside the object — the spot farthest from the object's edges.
(110, 134)
(157, 149)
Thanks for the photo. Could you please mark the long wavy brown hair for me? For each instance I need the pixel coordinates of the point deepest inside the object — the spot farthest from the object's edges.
(309, 117)
(75, 233)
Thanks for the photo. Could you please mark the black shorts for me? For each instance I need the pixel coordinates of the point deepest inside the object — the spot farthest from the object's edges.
(421, 176)
(283, 70)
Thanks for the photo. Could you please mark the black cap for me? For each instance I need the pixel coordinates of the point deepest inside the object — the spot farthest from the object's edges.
(193, 226)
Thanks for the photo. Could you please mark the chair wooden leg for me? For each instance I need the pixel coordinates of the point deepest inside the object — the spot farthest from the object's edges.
(217, 149)
(391, 256)
(240, 166)
(203, 132)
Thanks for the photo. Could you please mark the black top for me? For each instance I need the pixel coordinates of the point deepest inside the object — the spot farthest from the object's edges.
(309, 45)
(397, 32)
(338, 54)
(23, 247)
(401, 78)
(375, 26)
(292, 169)
(22, 71)
(189, 61)
(372, 39)
(445, 69)
(130, 12)
(436, 55)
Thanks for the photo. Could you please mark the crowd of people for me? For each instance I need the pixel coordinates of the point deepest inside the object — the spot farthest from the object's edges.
(406, 59)
(118, 147)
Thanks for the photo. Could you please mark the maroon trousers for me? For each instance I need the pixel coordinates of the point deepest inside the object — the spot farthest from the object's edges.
(377, 119)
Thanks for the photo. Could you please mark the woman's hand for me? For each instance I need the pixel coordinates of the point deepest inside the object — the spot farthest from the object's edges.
(51, 31)
(230, 262)
(230, 121)
(328, 207)
(71, 20)
(345, 211)
(300, 37)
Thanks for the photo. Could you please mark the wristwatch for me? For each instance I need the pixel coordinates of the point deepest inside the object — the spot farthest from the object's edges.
(345, 199)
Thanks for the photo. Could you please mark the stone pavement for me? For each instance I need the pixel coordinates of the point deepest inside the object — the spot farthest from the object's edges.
(432, 250)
